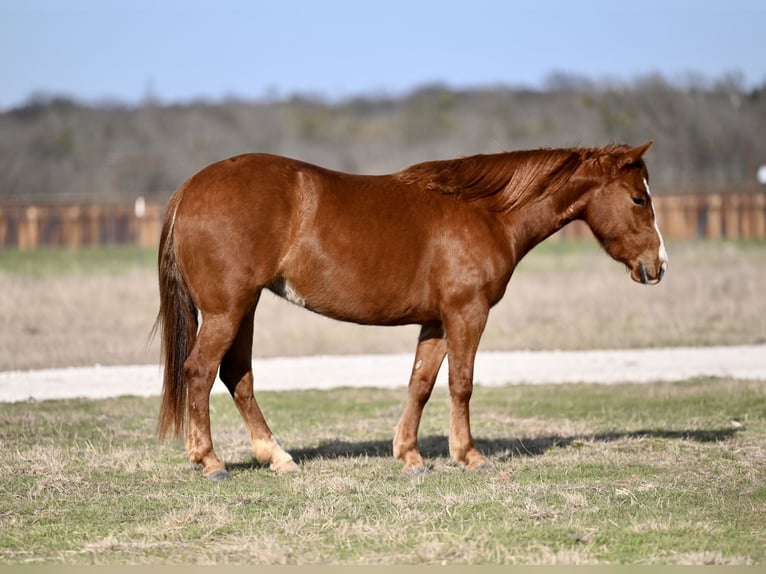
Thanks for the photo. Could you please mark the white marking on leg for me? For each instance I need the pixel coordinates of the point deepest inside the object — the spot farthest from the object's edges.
(663, 255)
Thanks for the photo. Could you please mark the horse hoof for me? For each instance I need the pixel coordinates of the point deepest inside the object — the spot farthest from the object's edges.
(417, 471)
(285, 467)
(220, 475)
(485, 466)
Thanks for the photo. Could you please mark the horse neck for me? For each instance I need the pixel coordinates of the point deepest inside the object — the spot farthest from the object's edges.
(532, 223)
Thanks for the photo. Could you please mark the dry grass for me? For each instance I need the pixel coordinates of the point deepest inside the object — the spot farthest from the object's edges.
(563, 296)
(583, 474)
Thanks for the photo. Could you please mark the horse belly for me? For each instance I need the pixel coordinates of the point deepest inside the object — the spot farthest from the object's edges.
(370, 300)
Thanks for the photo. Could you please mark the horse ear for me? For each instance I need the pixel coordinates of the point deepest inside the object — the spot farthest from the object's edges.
(633, 155)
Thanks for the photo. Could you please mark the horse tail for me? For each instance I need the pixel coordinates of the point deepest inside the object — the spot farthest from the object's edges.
(177, 321)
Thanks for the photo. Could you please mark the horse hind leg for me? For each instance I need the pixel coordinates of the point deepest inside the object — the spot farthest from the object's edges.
(213, 340)
(237, 374)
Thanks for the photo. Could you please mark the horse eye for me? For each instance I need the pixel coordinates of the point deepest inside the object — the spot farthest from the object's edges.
(640, 201)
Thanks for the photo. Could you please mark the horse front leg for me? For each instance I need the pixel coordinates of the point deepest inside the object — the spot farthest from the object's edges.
(463, 331)
(429, 356)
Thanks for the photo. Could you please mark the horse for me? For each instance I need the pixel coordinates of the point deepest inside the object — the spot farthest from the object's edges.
(433, 245)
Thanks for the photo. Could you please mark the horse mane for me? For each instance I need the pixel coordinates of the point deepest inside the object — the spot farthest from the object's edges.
(506, 180)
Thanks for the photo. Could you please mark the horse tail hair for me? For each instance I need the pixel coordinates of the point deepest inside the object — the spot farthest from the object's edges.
(177, 322)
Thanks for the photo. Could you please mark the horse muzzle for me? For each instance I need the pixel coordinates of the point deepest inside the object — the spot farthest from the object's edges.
(641, 275)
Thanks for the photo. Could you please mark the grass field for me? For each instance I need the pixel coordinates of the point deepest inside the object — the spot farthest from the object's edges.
(583, 474)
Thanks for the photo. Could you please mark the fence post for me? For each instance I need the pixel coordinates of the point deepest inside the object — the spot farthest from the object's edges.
(758, 216)
(3, 229)
(731, 216)
(71, 227)
(93, 228)
(29, 229)
(690, 209)
(151, 224)
(745, 220)
(669, 216)
(713, 204)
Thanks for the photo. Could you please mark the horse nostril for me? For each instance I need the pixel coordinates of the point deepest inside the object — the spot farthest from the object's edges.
(642, 273)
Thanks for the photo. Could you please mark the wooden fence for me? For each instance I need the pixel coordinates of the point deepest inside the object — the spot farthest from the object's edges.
(24, 227)
(740, 215)
(28, 227)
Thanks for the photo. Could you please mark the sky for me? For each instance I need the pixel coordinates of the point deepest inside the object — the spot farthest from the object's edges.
(178, 51)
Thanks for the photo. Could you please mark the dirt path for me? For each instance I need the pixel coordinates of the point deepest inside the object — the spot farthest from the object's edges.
(324, 372)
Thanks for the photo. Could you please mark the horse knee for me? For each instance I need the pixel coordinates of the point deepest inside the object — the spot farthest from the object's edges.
(194, 373)
(461, 390)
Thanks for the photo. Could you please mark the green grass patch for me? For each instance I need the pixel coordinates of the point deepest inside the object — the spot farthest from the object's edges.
(50, 262)
(625, 474)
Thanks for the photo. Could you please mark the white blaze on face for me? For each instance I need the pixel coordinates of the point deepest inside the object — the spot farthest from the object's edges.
(663, 252)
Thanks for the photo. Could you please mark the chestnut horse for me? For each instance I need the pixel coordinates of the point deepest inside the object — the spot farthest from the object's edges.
(434, 245)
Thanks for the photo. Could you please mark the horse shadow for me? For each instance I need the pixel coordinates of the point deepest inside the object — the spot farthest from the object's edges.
(499, 449)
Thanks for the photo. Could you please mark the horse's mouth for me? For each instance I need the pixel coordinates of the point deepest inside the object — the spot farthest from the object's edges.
(641, 275)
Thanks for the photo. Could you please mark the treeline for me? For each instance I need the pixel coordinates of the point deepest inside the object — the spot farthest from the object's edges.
(707, 135)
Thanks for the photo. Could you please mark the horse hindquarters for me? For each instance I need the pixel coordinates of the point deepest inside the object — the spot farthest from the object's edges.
(206, 263)
(188, 377)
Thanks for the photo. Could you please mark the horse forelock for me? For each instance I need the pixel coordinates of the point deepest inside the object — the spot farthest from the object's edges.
(609, 160)
(505, 180)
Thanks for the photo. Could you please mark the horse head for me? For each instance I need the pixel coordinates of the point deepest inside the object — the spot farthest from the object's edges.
(621, 214)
